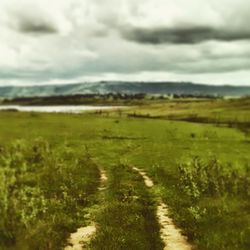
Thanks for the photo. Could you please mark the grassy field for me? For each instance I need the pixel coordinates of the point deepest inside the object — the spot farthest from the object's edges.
(201, 168)
(217, 111)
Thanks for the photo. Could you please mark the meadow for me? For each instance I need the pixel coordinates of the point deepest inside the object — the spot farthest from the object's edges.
(195, 151)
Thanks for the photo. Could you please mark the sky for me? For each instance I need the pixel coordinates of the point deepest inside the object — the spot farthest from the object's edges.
(68, 41)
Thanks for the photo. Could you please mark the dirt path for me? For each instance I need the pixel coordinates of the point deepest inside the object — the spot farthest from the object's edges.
(103, 179)
(170, 234)
(79, 240)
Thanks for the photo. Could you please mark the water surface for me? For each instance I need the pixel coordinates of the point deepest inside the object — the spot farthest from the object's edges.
(57, 109)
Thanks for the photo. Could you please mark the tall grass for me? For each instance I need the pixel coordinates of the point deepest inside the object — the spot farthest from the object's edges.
(212, 204)
(43, 193)
(213, 180)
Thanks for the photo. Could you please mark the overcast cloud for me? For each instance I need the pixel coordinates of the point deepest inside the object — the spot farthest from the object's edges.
(61, 41)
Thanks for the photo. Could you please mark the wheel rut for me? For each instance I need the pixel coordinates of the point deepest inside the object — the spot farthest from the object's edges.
(170, 234)
(79, 240)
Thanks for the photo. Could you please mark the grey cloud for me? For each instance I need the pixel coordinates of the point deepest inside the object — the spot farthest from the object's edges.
(190, 35)
(91, 38)
(34, 21)
(99, 68)
(36, 27)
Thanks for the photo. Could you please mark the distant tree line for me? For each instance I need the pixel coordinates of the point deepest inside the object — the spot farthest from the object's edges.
(108, 98)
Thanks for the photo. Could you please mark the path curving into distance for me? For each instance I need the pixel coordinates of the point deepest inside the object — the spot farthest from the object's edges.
(79, 240)
(170, 234)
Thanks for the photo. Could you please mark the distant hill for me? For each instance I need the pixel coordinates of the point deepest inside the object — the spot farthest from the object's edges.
(104, 87)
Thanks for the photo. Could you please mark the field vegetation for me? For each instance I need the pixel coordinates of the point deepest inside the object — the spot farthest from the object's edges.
(44, 194)
(49, 171)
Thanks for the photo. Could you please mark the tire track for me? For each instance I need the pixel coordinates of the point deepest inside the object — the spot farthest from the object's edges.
(79, 240)
(170, 234)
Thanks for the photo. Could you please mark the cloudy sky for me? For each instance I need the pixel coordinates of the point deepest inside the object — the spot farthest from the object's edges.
(64, 41)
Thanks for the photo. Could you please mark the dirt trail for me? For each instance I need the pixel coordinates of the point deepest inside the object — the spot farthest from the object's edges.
(79, 240)
(148, 182)
(170, 234)
(103, 179)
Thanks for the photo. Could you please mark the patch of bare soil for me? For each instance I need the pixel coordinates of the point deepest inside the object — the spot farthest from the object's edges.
(103, 179)
(80, 239)
(148, 182)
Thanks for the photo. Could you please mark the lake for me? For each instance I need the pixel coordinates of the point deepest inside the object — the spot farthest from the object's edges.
(76, 109)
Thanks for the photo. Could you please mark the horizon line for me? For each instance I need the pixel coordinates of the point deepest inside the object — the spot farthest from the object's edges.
(124, 81)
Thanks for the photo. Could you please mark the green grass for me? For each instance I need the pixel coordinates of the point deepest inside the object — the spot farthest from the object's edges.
(210, 202)
(43, 194)
(216, 220)
(127, 216)
(217, 111)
